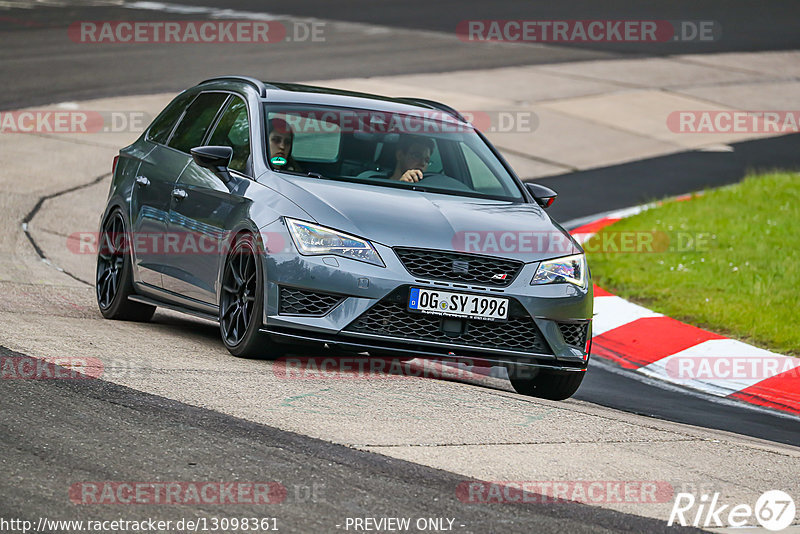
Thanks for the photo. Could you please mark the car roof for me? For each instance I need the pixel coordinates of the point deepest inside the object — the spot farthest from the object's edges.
(297, 93)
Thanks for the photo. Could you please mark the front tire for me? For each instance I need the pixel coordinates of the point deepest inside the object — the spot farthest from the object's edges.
(114, 274)
(242, 303)
(547, 384)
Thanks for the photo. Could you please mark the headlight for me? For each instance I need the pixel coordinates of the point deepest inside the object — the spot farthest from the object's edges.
(314, 240)
(569, 269)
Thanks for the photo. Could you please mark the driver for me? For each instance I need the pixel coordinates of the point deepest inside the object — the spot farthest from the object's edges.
(281, 137)
(413, 156)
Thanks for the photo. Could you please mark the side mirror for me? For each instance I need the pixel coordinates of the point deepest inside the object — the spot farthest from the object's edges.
(544, 196)
(215, 158)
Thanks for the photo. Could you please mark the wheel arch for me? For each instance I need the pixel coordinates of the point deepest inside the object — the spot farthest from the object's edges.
(244, 227)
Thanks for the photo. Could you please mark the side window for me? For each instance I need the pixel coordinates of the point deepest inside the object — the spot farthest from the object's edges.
(161, 128)
(195, 123)
(233, 130)
(483, 179)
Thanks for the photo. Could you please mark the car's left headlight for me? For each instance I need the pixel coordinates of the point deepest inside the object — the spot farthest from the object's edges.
(315, 240)
(569, 269)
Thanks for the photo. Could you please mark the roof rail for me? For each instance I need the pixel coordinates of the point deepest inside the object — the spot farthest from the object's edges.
(257, 84)
(436, 105)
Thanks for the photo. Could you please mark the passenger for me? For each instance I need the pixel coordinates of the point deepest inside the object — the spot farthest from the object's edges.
(413, 156)
(281, 137)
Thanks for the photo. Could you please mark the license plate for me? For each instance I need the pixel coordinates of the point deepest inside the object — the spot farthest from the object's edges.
(457, 304)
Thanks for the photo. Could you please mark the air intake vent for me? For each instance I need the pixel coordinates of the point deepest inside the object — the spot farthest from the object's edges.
(574, 333)
(295, 301)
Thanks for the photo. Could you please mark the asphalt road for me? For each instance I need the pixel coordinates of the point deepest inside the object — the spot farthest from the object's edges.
(744, 26)
(40, 65)
(84, 431)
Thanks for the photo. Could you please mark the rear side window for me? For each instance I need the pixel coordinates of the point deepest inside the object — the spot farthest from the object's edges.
(161, 128)
(233, 130)
(195, 123)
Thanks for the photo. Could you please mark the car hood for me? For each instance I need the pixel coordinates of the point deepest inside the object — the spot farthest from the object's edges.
(405, 218)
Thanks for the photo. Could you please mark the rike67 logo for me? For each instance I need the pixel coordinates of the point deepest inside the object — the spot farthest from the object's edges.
(774, 510)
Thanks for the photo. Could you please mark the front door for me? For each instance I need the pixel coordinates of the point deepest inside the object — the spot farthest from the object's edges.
(150, 204)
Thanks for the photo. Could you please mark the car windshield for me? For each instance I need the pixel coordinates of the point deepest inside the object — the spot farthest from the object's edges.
(427, 150)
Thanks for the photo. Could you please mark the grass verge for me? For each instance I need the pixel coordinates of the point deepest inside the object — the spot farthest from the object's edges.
(726, 260)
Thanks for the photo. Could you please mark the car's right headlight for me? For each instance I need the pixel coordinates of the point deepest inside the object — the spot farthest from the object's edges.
(569, 269)
(315, 240)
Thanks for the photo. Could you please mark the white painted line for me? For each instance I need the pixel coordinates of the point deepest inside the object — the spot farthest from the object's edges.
(582, 237)
(629, 212)
(613, 312)
(214, 12)
(716, 148)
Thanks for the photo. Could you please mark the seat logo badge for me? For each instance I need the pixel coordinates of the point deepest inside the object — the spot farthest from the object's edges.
(499, 277)
(460, 266)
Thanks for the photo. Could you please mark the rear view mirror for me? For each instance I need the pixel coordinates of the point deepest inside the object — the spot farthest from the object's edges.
(544, 196)
(215, 158)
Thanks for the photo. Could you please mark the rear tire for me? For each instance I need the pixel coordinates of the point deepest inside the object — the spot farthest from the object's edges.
(242, 303)
(552, 385)
(114, 274)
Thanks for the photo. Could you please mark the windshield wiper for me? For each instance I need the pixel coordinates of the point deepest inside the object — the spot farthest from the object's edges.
(295, 173)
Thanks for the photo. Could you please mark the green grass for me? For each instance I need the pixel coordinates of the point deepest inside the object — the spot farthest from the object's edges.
(743, 280)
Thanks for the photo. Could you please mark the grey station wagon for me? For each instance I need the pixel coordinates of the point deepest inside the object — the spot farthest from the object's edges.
(297, 215)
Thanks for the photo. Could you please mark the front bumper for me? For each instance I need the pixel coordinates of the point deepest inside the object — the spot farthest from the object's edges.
(360, 291)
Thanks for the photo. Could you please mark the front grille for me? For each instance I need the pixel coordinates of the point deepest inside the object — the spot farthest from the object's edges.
(295, 301)
(389, 317)
(455, 267)
(574, 333)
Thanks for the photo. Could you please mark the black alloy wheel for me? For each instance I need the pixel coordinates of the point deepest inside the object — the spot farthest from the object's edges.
(241, 303)
(113, 281)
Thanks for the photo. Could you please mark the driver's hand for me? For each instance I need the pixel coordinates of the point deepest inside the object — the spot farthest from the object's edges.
(411, 175)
